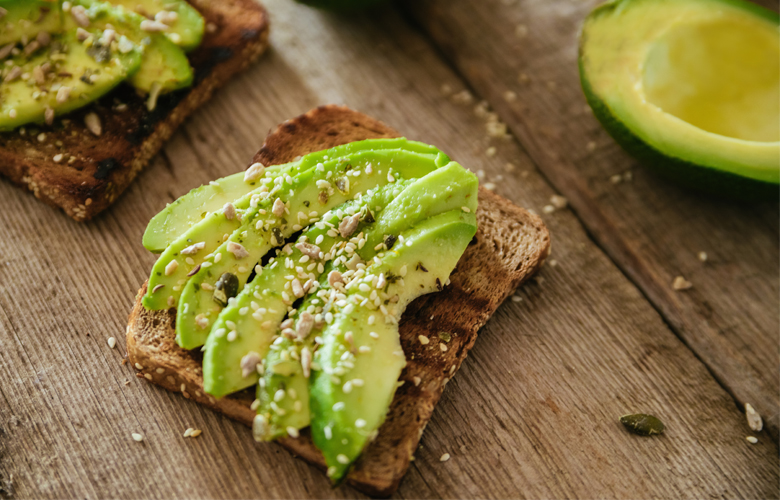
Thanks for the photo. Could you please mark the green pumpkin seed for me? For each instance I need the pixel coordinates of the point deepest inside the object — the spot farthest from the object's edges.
(644, 425)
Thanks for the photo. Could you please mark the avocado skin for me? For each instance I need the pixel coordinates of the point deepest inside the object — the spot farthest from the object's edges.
(708, 180)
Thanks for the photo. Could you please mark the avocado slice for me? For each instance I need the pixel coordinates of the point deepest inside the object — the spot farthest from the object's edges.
(360, 359)
(166, 280)
(22, 20)
(691, 88)
(263, 228)
(164, 67)
(185, 24)
(74, 75)
(179, 216)
(421, 200)
(270, 297)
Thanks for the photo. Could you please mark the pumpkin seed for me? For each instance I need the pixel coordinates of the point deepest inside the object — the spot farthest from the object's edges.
(644, 425)
(225, 289)
(445, 336)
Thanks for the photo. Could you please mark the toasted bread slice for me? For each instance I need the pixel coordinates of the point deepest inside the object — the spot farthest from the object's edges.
(94, 171)
(510, 246)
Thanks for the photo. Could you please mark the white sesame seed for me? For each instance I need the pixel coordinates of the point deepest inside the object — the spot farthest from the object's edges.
(292, 432)
(111, 342)
(137, 437)
(444, 457)
(231, 336)
(195, 433)
(171, 267)
(92, 122)
(465, 209)
(188, 432)
(423, 339)
(342, 459)
(751, 440)
(703, 256)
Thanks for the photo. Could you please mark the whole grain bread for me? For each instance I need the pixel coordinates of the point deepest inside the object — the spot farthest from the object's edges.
(510, 246)
(94, 171)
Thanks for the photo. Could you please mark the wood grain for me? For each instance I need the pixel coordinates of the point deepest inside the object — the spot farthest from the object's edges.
(653, 230)
(533, 411)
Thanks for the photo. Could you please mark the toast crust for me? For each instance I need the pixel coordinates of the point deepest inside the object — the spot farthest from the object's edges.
(510, 246)
(236, 35)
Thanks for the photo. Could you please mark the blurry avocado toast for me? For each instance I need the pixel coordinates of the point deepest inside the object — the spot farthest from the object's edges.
(691, 88)
(65, 54)
(292, 278)
(91, 89)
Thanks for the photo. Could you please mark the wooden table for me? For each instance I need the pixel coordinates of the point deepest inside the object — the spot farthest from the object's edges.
(534, 410)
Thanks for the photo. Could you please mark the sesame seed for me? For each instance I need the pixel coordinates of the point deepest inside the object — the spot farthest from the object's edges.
(171, 267)
(444, 457)
(137, 437)
(423, 339)
(139, 366)
(465, 209)
(751, 440)
(188, 432)
(92, 122)
(111, 342)
(292, 432)
(231, 336)
(342, 459)
(703, 256)
(57, 158)
(548, 209)
(195, 433)
(558, 201)
(360, 423)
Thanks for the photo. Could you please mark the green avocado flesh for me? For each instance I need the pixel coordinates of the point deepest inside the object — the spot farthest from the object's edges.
(84, 74)
(59, 56)
(691, 87)
(24, 19)
(185, 24)
(360, 358)
(421, 200)
(295, 280)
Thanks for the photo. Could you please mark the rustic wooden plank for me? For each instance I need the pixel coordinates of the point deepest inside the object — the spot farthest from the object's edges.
(652, 229)
(533, 411)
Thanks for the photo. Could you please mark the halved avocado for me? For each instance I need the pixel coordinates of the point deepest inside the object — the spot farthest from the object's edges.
(690, 87)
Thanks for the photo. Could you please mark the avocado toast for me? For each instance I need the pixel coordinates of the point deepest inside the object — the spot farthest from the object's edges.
(436, 331)
(86, 158)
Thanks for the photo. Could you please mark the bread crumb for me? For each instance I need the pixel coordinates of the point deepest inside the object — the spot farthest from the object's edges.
(616, 179)
(753, 418)
(510, 96)
(558, 201)
(681, 283)
(490, 152)
(137, 437)
(703, 256)
(751, 440)
(416, 381)
(444, 457)
(111, 342)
